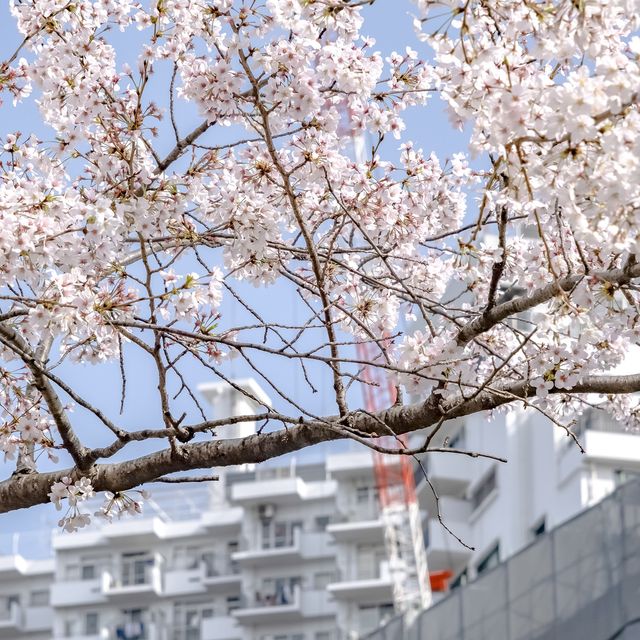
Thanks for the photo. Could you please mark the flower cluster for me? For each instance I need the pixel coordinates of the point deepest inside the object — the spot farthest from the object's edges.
(74, 493)
(129, 231)
(120, 504)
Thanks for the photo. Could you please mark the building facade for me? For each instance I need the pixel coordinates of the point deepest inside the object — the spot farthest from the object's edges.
(579, 580)
(500, 508)
(275, 553)
(296, 552)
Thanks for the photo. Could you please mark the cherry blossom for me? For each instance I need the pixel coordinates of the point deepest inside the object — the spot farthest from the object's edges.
(500, 276)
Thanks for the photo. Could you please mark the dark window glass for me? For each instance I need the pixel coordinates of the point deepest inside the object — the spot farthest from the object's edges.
(484, 489)
(491, 560)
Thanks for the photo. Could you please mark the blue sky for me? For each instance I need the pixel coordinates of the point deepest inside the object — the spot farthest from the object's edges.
(390, 23)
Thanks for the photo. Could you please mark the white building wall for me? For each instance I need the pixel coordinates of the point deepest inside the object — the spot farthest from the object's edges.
(545, 479)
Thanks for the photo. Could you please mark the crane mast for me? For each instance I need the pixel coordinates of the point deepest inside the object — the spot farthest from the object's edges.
(400, 513)
(399, 509)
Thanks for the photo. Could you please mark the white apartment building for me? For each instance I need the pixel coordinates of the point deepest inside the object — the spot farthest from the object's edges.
(287, 553)
(296, 552)
(499, 508)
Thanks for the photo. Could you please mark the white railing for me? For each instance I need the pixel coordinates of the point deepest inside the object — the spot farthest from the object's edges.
(11, 616)
(113, 580)
(277, 598)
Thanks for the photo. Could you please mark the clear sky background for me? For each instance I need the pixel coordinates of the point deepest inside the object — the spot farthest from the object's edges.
(390, 23)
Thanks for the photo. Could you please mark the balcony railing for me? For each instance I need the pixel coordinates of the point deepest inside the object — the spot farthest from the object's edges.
(276, 598)
(131, 631)
(594, 419)
(364, 570)
(290, 539)
(124, 578)
(221, 569)
(11, 616)
(355, 512)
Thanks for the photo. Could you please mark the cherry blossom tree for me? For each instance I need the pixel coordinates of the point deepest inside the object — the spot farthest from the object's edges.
(502, 277)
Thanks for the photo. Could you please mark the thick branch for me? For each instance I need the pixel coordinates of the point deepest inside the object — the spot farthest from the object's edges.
(58, 412)
(539, 296)
(21, 492)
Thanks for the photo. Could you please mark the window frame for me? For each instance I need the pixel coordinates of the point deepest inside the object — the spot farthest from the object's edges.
(484, 489)
(485, 563)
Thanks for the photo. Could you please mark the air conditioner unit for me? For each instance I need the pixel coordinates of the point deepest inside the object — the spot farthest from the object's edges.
(266, 511)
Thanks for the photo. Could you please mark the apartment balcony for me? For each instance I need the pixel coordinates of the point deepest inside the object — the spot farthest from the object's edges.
(444, 552)
(276, 608)
(280, 490)
(201, 579)
(450, 474)
(37, 619)
(72, 593)
(317, 603)
(11, 621)
(354, 464)
(227, 520)
(604, 440)
(366, 587)
(18, 620)
(359, 524)
(13, 565)
(134, 630)
(293, 548)
(223, 578)
(123, 630)
(88, 539)
(185, 581)
(268, 608)
(119, 587)
(220, 628)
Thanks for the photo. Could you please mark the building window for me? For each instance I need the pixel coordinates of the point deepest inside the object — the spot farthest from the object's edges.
(492, 559)
(539, 529)
(366, 502)
(70, 628)
(88, 572)
(620, 476)
(39, 598)
(186, 557)
(6, 604)
(91, 624)
(366, 494)
(86, 568)
(321, 523)
(373, 616)
(276, 535)
(484, 489)
(188, 617)
(208, 558)
(136, 568)
(232, 547)
(460, 580)
(233, 603)
(369, 560)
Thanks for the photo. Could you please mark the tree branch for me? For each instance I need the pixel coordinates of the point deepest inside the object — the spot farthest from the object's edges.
(25, 491)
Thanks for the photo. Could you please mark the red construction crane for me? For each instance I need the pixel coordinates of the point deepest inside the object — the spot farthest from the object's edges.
(399, 507)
